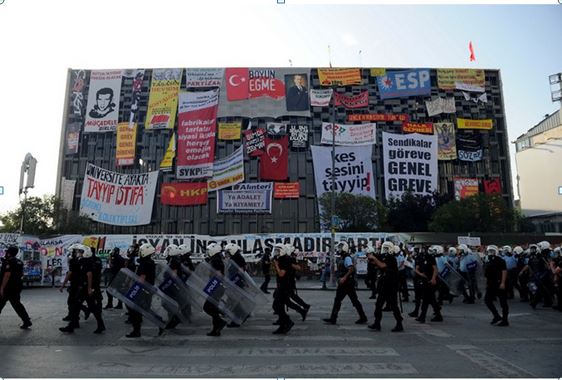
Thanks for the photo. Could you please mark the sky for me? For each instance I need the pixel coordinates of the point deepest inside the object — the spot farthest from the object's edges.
(40, 40)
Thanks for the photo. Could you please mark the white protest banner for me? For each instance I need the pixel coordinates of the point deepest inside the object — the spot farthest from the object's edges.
(228, 171)
(118, 199)
(469, 241)
(246, 198)
(410, 163)
(440, 105)
(102, 111)
(469, 87)
(320, 98)
(196, 78)
(350, 134)
(68, 186)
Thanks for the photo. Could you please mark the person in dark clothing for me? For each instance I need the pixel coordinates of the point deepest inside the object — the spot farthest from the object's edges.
(185, 260)
(282, 263)
(146, 271)
(116, 262)
(131, 264)
(419, 254)
(235, 254)
(299, 305)
(173, 255)
(73, 276)
(387, 285)
(346, 286)
(266, 269)
(426, 269)
(215, 260)
(11, 285)
(371, 279)
(496, 277)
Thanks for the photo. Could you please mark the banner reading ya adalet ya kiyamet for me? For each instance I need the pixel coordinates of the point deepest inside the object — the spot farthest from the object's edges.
(118, 199)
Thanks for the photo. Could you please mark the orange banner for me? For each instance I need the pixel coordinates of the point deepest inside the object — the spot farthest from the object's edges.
(408, 127)
(474, 124)
(126, 144)
(286, 190)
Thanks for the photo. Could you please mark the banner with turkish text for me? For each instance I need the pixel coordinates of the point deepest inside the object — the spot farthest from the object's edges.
(349, 134)
(102, 111)
(298, 136)
(168, 159)
(197, 118)
(255, 141)
(163, 99)
(286, 190)
(339, 77)
(378, 117)
(274, 162)
(118, 199)
(404, 83)
(410, 164)
(246, 198)
(409, 127)
(227, 171)
(321, 98)
(440, 105)
(465, 187)
(355, 101)
(447, 79)
(446, 143)
(469, 146)
(183, 193)
(493, 186)
(474, 124)
(197, 78)
(230, 131)
(125, 149)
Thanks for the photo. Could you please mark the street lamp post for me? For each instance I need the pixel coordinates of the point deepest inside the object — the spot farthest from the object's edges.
(333, 196)
(27, 166)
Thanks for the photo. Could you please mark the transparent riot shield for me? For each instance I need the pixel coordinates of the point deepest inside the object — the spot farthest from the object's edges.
(208, 285)
(143, 297)
(450, 276)
(479, 275)
(171, 284)
(241, 278)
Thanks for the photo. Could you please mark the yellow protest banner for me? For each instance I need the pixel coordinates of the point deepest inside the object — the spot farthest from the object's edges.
(166, 163)
(230, 131)
(163, 99)
(446, 78)
(339, 77)
(378, 71)
(125, 149)
(474, 124)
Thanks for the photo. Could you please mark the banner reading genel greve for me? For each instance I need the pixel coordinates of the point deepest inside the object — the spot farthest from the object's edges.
(163, 99)
(410, 164)
(118, 199)
(196, 134)
(183, 193)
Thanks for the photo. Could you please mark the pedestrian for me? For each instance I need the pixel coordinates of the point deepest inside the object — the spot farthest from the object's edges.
(387, 285)
(146, 271)
(282, 264)
(11, 285)
(266, 269)
(426, 268)
(496, 277)
(215, 260)
(346, 286)
(116, 262)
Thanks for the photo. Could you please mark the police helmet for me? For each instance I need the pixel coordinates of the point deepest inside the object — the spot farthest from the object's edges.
(171, 251)
(517, 251)
(87, 252)
(463, 249)
(289, 248)
(232, 248)
(506, 249)
(435, 250)
(213, 249)
(370, 249)
(544, 245)
(278, 250)
(492, 249)
(184, 249)
(396, 250)
(387, 247)
(146, 250)
(555, 253)
(533, 248)
(452, 251)
(343, 247)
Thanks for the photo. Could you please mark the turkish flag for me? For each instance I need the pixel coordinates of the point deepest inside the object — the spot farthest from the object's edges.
(492, 186)
(237, 83)
(274, 163)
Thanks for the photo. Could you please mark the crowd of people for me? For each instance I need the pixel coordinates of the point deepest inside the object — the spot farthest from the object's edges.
(438, 274)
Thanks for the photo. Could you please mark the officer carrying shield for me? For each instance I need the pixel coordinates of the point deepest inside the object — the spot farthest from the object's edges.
(214, 258)
(282, 264)
(146, 271)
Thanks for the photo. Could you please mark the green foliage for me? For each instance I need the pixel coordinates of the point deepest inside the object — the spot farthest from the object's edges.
(357, 213)
(478, 213)
(411, 213)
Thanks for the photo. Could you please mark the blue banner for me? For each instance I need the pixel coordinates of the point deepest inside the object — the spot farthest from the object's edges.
(397, 84)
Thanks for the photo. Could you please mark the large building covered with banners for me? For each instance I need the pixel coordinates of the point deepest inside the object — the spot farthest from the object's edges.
(249, 150)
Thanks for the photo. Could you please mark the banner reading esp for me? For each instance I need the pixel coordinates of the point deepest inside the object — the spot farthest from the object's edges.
(163, 99)
(118, 199)
(126, 144)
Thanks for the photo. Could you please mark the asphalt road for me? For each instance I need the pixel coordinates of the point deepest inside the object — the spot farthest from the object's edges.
(464, 345)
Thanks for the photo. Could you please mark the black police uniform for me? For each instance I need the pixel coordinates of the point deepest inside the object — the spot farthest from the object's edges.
(299, 305)
(493, 272)
(418, 287)
(388, 293)
(347, 288)
(371, 279)
(175, 265)
(116, 262)
(266, 269)
(12, 291)
(147, 268)
(282, 294)
(210, 308)
(427, 265)
(94, 266)
(540, 276)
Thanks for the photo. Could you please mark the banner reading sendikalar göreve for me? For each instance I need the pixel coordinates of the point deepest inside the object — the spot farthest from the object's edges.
(410, 164)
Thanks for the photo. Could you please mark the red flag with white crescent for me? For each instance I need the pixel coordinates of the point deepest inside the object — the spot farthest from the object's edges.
(237, 83)
(274, 162)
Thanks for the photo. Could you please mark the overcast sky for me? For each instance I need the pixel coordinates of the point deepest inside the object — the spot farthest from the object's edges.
(41, 39)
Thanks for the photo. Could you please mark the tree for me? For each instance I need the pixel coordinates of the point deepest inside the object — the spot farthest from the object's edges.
(357, 213)
(412, 212)
(45, 216)
(478, 213)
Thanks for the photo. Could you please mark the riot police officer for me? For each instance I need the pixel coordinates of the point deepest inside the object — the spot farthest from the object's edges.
(234, 252)
(116, 262)
(496, 278)
(11, 285)
(214, 258)
(387, 285)
(266, 269)
(146, 271)
(72, 276)
(282, 264)
(346, 286)
(426, 269)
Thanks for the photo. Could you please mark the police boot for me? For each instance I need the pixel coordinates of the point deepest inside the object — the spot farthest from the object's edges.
(26, 324)
(375, 326)
(100, 329)
(133, 334)
(67, 329)
(398, 327)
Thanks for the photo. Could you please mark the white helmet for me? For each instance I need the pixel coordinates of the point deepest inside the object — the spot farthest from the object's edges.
(124, 254)
(533, 247)
(556, 252)
(146, 250)
(289, 248)
(76, 247)
(232, 248)
(370, 249)
(463, 249)
(492, 248)
(517, 251)
(172, 250)
(278, 250)
(397, 249)
(452, 251)
(435, 250)
(343, 246)
(543, 245)
(87, 251)
(506, 249)
(213, 249)
(387, 247)
(184, 248)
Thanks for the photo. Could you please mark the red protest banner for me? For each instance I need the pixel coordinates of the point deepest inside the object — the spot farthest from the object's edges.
(378, 117)
(183, 193)
(409, 127)
(286, 190)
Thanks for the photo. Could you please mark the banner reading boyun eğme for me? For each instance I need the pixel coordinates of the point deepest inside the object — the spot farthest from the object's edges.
(118, 199)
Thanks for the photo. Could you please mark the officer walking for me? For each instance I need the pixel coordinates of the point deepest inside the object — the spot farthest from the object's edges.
(72, 276)
(346, 286)
(215, 260)
(116, 262)
(146, 271)
(387, 285)
(266, 269)
(282, 264)
(11, 285)
(299, 304)
(496, 278)
(426, 269)
(235, 254)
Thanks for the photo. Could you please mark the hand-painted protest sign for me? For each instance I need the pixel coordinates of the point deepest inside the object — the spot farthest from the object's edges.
(125, 149)
(103, 101)
(339, 77)
(230, 131)
(465, 187)
(440, 105)
(320, 98)
(449, 79)
(356, 101)
(474, 124)
(255, 142)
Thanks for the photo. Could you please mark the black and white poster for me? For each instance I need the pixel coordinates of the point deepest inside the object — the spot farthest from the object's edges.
(102, 111)
(298, 136)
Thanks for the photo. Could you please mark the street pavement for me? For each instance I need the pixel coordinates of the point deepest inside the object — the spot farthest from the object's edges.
(464, 345)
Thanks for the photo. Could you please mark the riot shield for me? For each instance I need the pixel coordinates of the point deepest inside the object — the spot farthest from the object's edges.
(208, 285)
(479, 275)
(172, 285)
(450, 276)
(241, 278)
(143, 297)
